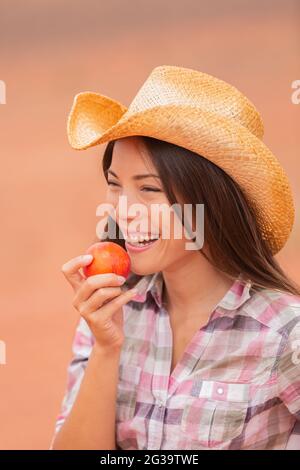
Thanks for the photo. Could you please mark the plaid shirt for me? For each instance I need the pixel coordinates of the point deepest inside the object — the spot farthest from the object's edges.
(237, 385)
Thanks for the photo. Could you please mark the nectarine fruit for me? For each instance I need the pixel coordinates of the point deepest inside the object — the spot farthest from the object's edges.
(108, 257)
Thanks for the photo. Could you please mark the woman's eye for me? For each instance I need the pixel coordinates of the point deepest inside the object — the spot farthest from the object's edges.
(144, 188)
(147, 188)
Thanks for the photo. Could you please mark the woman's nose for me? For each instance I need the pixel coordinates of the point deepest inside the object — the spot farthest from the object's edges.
(129, 209)
(125, 209)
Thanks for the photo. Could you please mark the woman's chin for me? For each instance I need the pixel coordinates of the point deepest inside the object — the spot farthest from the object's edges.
(142, 270)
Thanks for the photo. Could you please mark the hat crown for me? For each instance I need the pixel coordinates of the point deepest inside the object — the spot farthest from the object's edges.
(170, 84)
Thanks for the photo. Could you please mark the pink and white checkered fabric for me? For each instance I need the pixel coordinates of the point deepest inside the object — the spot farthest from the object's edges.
(237, 385)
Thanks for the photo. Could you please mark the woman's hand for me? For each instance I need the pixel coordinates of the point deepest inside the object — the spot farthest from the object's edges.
(99, 300)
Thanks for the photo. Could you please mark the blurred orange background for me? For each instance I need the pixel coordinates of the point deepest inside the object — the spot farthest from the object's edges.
(51, 50)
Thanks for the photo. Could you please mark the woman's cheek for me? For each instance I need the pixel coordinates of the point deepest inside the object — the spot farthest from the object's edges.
(112, 198)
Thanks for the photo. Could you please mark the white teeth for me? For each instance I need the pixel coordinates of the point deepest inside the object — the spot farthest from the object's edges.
(134, 239)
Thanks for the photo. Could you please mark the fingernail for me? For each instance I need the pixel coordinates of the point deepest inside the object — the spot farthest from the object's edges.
(87, 258)
(121, 279)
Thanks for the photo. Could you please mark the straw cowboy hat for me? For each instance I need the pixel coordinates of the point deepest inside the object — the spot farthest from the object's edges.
(205, 115)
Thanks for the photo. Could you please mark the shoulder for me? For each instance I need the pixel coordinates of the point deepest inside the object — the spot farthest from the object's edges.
(278, 311)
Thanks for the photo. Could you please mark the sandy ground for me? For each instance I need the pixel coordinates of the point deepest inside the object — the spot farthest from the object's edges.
(50, 192)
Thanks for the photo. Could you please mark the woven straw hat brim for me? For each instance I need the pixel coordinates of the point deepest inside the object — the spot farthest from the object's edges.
(95, 119)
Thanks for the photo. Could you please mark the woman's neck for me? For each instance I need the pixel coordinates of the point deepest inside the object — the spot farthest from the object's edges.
(193, 286)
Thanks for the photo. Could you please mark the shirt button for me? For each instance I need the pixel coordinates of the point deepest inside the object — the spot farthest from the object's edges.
(220, 390)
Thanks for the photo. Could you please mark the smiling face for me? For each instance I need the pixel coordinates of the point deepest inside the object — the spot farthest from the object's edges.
(133, 178)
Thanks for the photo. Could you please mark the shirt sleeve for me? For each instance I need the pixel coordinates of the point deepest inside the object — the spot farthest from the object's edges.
(81, 349)
(289, 372)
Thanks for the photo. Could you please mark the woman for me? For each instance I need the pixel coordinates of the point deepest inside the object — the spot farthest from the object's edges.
(204, 355)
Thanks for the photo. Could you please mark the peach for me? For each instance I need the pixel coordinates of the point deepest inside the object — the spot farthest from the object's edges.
(108, 257)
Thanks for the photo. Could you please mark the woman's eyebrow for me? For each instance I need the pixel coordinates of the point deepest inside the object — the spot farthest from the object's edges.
(136, 177)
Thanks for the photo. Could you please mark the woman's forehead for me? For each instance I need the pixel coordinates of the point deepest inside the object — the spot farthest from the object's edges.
(132, 151)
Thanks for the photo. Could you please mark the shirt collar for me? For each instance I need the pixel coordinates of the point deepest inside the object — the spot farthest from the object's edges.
(152, 283)
(235, 297)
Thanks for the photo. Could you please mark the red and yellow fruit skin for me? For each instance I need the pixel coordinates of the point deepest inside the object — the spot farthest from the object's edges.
(108, 257)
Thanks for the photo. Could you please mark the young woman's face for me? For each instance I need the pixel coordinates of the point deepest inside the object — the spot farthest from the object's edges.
(129, 177)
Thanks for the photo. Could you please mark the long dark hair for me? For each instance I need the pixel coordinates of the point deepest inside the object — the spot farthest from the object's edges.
(231, 230)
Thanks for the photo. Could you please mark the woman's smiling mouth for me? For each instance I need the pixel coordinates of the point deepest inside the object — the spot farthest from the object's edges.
(137, 244)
